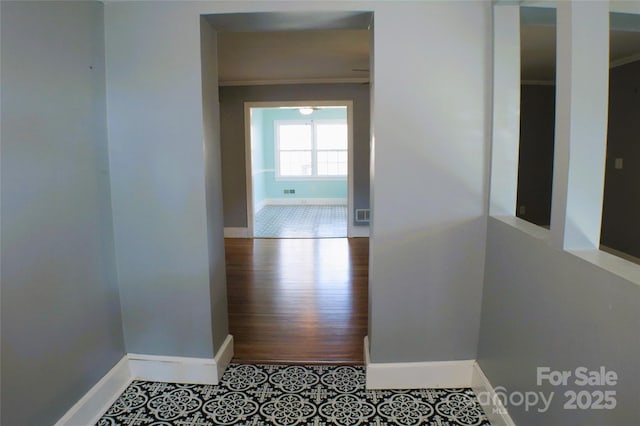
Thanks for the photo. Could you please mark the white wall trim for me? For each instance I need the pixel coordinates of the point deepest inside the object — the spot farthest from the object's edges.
(506, 110)
(103, 394)
(156, 368)
(182, 369)
(236, 232)
(248, 151)
(259, 205)
(100, 397)
(263, 171)
(417, 375)
(489, 400)
(350, 169)
(359, 232)
(582, 73)
(305, 201)
(224, 355)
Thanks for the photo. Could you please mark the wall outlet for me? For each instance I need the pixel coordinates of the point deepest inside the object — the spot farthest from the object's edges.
(522, 210)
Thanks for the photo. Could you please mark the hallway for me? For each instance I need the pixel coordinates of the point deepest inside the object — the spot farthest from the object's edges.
(298, 300)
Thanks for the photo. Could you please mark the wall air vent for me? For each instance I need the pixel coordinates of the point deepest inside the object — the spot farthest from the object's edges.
(362, 215)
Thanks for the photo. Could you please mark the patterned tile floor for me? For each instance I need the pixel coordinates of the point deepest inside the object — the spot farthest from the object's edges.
(278, 395)
(301, 222)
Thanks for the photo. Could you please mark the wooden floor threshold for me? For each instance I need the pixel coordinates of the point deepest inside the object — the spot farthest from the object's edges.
(296, 362)
(298, 301)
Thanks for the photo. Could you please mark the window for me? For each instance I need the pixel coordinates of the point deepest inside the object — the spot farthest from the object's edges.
(620, 232)
(313, 148)
(537, 114)
(295, 146)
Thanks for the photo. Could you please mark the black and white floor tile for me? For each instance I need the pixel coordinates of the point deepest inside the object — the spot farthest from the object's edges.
(301, 222)
(279, 395)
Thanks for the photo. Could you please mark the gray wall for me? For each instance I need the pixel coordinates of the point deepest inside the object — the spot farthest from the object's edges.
(233, 144)
(157, 161)
(620, 228)
(544, 307)
(429, 173)
(213, 184)
(429, 181)
(535, 165)
(61, 329)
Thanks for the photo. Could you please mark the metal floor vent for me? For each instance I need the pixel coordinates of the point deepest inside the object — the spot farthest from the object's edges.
(363, 215)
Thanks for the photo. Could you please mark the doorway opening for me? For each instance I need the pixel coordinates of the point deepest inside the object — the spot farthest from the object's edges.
(293, 300)
(300, 168)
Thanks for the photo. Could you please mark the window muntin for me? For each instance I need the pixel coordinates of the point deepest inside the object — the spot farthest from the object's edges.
(311, 148)
(295, 149)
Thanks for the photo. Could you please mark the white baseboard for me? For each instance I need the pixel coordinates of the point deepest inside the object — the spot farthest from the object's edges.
(259, 205)
(358, 232)
(103, 394)
(89, 409)
(224, 355)
(417, 375)
(491, 404)
(441, 374)
(174, 369)
(305, 201)
(236, 233)
(156, 368)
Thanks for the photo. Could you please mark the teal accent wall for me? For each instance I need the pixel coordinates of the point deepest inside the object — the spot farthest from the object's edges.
(266, 186)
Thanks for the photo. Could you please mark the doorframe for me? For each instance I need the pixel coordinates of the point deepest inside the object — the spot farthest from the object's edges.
(248, 153)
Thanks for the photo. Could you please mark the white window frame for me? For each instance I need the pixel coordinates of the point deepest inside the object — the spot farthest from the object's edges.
(314, 149)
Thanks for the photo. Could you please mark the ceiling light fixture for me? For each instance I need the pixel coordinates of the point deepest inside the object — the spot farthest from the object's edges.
(306, 110)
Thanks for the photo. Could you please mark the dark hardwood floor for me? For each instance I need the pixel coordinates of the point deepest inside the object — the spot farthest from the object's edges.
(298, 300)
